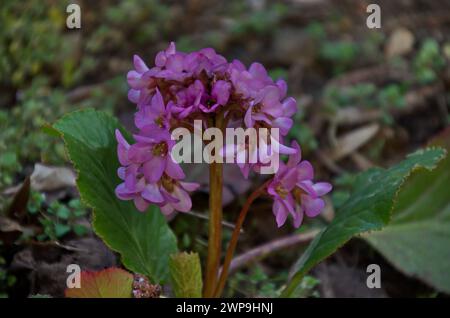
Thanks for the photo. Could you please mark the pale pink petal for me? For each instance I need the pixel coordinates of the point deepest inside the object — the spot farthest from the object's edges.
(167, 209)
(322, 188)
(280, 212)
(312, 207)
(141, 204)
(307, 186)
(289, 179)
(158, 103)
(305, 171)
(190, 186)
(173, 169)
(153, 169)
(294, 159)
(282, 148)
(284, 124)
(298, 216)
(135, 80)
(152, 194)
(123, 193)
(249, 122)
(134, 95)
(289, 106)
(139, 64)
(282, 86)
(185, 203)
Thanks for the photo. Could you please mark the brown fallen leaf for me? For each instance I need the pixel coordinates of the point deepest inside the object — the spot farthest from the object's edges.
(349, 142)
(400, 42)
(18, 207)
(49, 178)
(11, 230)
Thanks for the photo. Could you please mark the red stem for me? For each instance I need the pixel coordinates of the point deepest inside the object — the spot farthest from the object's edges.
(235, 237)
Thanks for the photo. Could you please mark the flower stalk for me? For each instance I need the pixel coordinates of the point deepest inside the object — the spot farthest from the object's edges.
(215, 220)
(234, 238)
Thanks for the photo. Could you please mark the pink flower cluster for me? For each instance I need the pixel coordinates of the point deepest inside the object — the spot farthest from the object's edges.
(182, 87)
(294, 192)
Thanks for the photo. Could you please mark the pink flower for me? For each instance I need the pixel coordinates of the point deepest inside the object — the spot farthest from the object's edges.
(152, 150)
(176, 195)
(135, 80)
(149, 175)
(220, 94)
(294, 192)
(188, 100)
(154, 114)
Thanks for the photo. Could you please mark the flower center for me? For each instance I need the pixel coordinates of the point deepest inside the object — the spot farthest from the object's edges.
(297, 192)
(281, 191)
(160, 149)
(168, 183)
(256, 109)
(160, 121)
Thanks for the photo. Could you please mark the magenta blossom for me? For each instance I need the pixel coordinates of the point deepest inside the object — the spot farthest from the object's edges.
(156, 113)
(202, 85)
(220, 94)
(294, 192)
(176, 195)
(152, 150)
(149, 175)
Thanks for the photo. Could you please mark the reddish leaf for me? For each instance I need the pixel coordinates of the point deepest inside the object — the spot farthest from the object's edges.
(108, 283)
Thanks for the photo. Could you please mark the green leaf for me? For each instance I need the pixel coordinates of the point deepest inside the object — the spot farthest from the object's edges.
(80, 229)
(186, 275)
(144, 240)
(368, 209)
(63, 212)
(61, 229)
(417, 240)
(108, 283)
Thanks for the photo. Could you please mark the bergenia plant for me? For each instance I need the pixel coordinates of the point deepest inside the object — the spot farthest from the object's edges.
(183, 87)
(134, 182)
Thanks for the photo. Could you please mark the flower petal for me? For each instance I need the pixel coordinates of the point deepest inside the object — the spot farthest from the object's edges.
(298, 216)
(153, 169)
(167, 209)
(173, 169)
(152, 193)
(294, 159)
(185, 203)
(190, 186)
(305, 171)
(139, 64)
(141, 204)
(249, 122)
(284, 124)
(280, 212)
(322, 188)
(312, 207)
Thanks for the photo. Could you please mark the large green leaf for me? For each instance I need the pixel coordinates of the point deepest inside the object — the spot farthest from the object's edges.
(417, 240)
(143, 239)
(368, 209)
(186, 275)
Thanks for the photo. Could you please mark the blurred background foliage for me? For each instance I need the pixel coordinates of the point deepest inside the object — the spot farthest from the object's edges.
(344, 76)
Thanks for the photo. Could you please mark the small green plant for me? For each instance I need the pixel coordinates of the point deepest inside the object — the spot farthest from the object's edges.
(57, 219)
(428, 62)
(6, 280)
(260, 21)
(256, 283)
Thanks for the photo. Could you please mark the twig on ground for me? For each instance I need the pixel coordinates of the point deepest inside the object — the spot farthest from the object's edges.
(269, 248)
